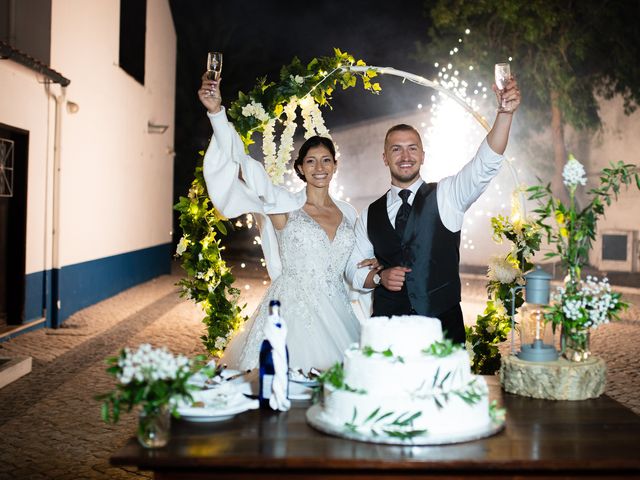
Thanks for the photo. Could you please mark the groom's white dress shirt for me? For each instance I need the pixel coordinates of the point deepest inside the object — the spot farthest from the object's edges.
(455, 194)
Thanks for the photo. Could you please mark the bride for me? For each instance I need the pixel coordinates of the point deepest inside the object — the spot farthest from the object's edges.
(307, 238)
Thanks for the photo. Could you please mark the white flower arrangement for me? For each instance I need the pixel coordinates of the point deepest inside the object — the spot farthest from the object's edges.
(500, 308)
(150, 364)
(286, 141)
(269, 147)
(589, 306)
(147, 376)
(255, 109)
(297, 79)
(502, 270)
(307, 120)
(182, 245)
(573, 173)
(220, 343)
(277, 158)
(313, 121)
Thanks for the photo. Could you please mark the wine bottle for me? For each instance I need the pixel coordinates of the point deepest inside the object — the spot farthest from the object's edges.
(267, 368)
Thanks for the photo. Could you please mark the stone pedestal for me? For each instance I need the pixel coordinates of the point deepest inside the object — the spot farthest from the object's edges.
(557, 380)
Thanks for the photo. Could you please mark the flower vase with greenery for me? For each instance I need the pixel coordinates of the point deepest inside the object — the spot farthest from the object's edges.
(580, 305)
(156, 380)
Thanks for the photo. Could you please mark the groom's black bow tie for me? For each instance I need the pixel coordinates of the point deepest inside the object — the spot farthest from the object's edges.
(403, 212)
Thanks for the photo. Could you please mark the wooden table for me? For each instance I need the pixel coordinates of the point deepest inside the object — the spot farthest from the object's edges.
(597, 438)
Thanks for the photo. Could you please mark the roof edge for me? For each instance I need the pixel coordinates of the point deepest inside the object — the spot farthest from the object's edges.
(10, 53)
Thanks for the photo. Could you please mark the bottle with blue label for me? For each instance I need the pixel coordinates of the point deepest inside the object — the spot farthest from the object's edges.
(267, 370)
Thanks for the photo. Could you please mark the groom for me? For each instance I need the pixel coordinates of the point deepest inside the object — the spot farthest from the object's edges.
(414, 229)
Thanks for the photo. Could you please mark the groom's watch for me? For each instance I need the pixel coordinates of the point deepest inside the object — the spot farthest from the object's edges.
(377, 278)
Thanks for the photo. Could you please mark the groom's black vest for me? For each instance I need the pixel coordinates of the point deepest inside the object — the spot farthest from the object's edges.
(427, 247)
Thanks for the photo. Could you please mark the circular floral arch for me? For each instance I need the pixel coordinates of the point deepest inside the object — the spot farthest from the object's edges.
(209, 282)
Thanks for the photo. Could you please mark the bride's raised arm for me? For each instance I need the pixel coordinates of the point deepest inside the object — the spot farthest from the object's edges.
(225, 158)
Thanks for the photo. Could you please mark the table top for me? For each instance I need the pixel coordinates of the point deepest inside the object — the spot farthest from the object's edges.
(596, 435)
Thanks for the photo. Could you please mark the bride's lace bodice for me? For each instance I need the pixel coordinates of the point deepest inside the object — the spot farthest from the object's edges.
(308, 256)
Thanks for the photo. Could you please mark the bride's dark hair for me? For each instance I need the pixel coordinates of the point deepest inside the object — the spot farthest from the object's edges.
(314, 141)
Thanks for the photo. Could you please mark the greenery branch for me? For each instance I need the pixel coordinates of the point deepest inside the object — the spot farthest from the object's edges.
(581, 304)
(570, 229)
(369, 351)
(399, 426)
(442, 348)
(334, 376)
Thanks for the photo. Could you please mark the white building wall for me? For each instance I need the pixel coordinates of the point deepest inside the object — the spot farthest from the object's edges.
(619, 140)
(116, 178)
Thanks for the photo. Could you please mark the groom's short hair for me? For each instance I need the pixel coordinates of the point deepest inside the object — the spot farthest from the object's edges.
(402, 127)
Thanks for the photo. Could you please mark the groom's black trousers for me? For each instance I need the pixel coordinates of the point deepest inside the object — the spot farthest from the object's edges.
(453, 324)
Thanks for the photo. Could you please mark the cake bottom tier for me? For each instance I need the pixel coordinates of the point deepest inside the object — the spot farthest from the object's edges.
(441, 413)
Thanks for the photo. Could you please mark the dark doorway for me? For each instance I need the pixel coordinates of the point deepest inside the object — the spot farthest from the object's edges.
(14, 144)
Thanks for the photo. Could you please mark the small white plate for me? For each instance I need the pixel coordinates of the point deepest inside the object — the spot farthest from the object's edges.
(200, 380)
(299, 391)
(303, 379)
(235, 403)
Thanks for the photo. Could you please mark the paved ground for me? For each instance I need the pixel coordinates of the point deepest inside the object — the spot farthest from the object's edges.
(50, 425)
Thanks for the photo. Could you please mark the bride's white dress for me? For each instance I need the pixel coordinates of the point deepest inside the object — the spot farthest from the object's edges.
(315, 304)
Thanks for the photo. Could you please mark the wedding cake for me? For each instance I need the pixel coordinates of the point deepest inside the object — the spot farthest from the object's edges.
(405, 382)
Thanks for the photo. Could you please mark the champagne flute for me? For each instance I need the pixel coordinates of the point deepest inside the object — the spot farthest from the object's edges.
(214, 65)
(502, 76)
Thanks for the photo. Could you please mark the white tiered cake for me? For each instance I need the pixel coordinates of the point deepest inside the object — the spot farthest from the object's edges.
(405, 384)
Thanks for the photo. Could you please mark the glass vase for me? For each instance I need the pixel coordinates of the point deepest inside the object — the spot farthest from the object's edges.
(154, 427)
(575, 346)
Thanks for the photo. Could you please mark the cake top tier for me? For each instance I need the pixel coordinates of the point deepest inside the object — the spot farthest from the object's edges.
(406, 335)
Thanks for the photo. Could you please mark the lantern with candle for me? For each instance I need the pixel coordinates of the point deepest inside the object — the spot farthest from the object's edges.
(536, 338)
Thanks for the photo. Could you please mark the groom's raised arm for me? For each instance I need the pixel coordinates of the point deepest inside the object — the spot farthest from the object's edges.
(458, 192)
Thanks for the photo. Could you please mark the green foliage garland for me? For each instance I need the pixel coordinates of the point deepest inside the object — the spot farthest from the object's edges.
(209, 282)
(318, 78)
(494, 324)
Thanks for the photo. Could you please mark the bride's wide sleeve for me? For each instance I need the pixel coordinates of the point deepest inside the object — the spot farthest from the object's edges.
(254, 193)
(224, 159)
